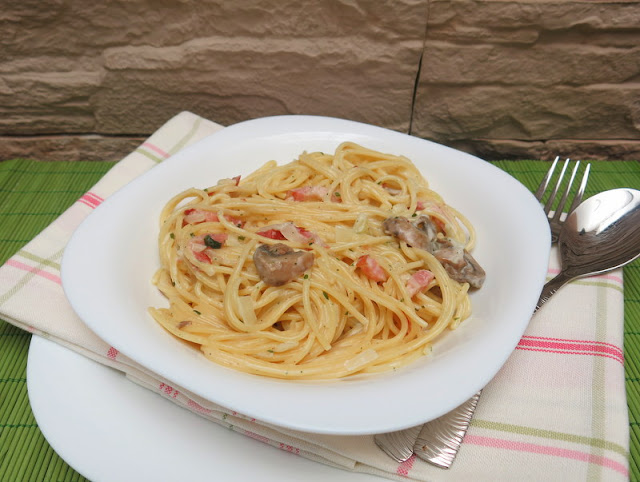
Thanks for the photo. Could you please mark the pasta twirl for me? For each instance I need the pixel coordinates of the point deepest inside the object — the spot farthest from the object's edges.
(328, 266)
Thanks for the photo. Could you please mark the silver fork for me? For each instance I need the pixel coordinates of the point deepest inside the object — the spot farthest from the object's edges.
(439, 440)
(555, 220)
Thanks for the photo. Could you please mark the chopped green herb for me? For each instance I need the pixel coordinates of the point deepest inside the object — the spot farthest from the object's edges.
(191, 234)
(306, 276)
(242, 238)
(414, 215)
(197, 312)
(270, 351)
(173, 283)
(172, 236)
(205, 190)
(336, 194)
(212, 243)
(324, 293)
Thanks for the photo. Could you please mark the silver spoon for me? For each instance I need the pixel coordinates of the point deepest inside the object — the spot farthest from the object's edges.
(601, 234)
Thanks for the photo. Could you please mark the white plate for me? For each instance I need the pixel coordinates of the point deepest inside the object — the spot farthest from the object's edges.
(111, 430)
(111, 257)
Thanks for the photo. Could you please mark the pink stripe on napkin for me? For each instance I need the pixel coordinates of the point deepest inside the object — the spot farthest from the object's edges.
(36, 271)
(571, 347)
(91, 199)
(546, 450)
(156, 149)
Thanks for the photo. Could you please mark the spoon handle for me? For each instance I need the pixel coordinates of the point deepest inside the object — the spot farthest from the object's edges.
(550, 288)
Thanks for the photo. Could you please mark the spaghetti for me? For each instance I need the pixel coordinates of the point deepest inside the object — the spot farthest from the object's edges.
(328, 266)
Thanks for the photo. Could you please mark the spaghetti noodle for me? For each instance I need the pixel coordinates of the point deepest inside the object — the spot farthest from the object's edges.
(328, 266)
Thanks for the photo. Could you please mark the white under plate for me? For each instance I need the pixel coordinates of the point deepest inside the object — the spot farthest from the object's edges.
(112, 430)
(112, 256)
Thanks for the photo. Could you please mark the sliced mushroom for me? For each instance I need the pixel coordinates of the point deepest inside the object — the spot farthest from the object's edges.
(423, 234)
(402, 229)
(278, 264)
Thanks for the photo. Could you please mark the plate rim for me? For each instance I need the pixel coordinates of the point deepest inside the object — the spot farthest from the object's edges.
(283, 126)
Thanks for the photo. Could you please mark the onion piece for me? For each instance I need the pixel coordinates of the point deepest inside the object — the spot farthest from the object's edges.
(246, 311)
(361, 359)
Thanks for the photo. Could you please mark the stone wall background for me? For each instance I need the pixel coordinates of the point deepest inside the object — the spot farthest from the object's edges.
(501, 79)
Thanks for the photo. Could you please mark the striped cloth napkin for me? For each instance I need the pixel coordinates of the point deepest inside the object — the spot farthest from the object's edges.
(556, 411)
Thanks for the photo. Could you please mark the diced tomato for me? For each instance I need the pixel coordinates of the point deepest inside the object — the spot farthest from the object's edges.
(420, 205)
(277, 234)
(202, 256)
(271, 234)
(306, 233)
(290, 232)
(419, 281)
(371, 268)
(236, 179)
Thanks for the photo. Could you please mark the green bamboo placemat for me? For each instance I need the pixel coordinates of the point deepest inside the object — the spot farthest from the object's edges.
(33, 194)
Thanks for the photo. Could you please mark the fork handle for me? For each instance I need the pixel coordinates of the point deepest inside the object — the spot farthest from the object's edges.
(550, 288)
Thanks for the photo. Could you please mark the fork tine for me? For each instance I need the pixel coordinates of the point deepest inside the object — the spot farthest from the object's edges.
(545, 182)
(565, 194)
(583, 184)
(547, 207)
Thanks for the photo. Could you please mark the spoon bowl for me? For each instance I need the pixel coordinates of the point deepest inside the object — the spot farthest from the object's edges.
(601, 234)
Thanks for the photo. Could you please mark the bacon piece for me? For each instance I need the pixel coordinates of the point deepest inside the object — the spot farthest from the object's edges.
(419, 281)
(197, 216)
(311, 193)
(203, 245)
(308, 193)
(371, 268)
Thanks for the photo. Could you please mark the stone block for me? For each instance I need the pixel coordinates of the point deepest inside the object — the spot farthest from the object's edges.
(230, 80)
(446, 17)
(543, 64)
(500, 149)
(446, 113)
